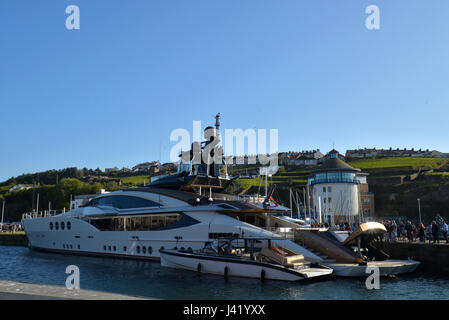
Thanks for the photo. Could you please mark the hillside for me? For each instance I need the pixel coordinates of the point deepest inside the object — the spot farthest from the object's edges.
(57, 186)
(396, 183)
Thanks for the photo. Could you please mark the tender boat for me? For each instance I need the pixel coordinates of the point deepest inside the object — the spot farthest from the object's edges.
(360, 250)
(234, 258)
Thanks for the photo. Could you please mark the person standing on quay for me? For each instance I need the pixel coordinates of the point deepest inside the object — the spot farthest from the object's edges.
(445, 230)
(435, 232)
(421, 232)
(409, 229)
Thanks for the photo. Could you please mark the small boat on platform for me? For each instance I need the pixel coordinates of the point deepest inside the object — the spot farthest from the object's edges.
(239, 257)
(360, 250)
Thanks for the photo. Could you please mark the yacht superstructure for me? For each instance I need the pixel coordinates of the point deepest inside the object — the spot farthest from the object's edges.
(173, 212)
(138, 222)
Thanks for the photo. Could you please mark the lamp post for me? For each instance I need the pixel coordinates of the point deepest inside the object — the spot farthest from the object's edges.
(419, 208)
(3, 214)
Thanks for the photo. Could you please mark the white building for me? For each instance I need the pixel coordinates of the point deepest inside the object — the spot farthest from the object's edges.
(20, 187)
(84, 199)
(145, 166)
(335, 187)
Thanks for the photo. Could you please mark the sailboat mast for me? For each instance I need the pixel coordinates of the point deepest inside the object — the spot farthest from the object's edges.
(297, 204)
(291, 207)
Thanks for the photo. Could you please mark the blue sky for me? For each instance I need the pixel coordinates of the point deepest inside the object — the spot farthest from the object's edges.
(110, 93)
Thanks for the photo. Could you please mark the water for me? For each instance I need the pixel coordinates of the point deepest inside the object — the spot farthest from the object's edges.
(149, 279)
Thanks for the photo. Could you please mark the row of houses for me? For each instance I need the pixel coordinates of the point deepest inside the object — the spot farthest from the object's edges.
(373, 152)
(306, 157)
(146, 167)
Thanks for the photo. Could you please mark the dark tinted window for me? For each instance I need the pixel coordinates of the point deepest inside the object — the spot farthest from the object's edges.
(123, 202)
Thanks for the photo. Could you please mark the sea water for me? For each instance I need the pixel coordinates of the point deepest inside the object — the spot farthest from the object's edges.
(149, 279)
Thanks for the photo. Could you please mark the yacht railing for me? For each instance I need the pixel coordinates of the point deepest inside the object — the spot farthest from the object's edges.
(287, 233)
(243, 198)
(41, 214)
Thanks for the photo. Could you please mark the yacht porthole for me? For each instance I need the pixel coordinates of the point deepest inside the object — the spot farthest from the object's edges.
(162, 248)
(109, 248)
(62, 225)
(57, 225)
(150, 250)
(51, 225)
(144, 250)
(124, 249)
(69, 225)
(104, 248)
(114, 248)
(182, 248)
(138, 249)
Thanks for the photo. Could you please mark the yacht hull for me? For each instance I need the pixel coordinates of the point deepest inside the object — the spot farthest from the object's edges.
(386, 268)
(233, 267)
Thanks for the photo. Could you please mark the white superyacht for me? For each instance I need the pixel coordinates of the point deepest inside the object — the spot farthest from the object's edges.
(173, 212)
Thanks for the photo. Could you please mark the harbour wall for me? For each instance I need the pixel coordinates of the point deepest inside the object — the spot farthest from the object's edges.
(433, 257)
(13, 239)
(10, 290)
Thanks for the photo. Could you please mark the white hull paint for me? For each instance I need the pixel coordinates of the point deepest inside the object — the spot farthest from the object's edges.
(386, 268)
(239, 269)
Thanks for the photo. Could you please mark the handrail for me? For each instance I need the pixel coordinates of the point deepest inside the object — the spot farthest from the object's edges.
(41, 214)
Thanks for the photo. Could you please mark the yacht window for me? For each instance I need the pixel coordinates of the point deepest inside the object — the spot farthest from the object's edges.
(104, 248)
(62, 225)
(144, 250)
(69, 225)
(150, 250)
(51, 225)
(142, 223)
(114, 248)
(138, 249)
(124, 249)
(123, 202)
(57, 225)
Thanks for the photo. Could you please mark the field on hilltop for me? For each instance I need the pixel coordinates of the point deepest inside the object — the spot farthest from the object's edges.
(395, 182)
(414, 163)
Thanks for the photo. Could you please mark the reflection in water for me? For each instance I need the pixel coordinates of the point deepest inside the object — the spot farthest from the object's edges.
(149, 279)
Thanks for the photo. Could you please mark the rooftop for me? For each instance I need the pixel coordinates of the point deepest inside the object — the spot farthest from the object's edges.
(335, 164)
